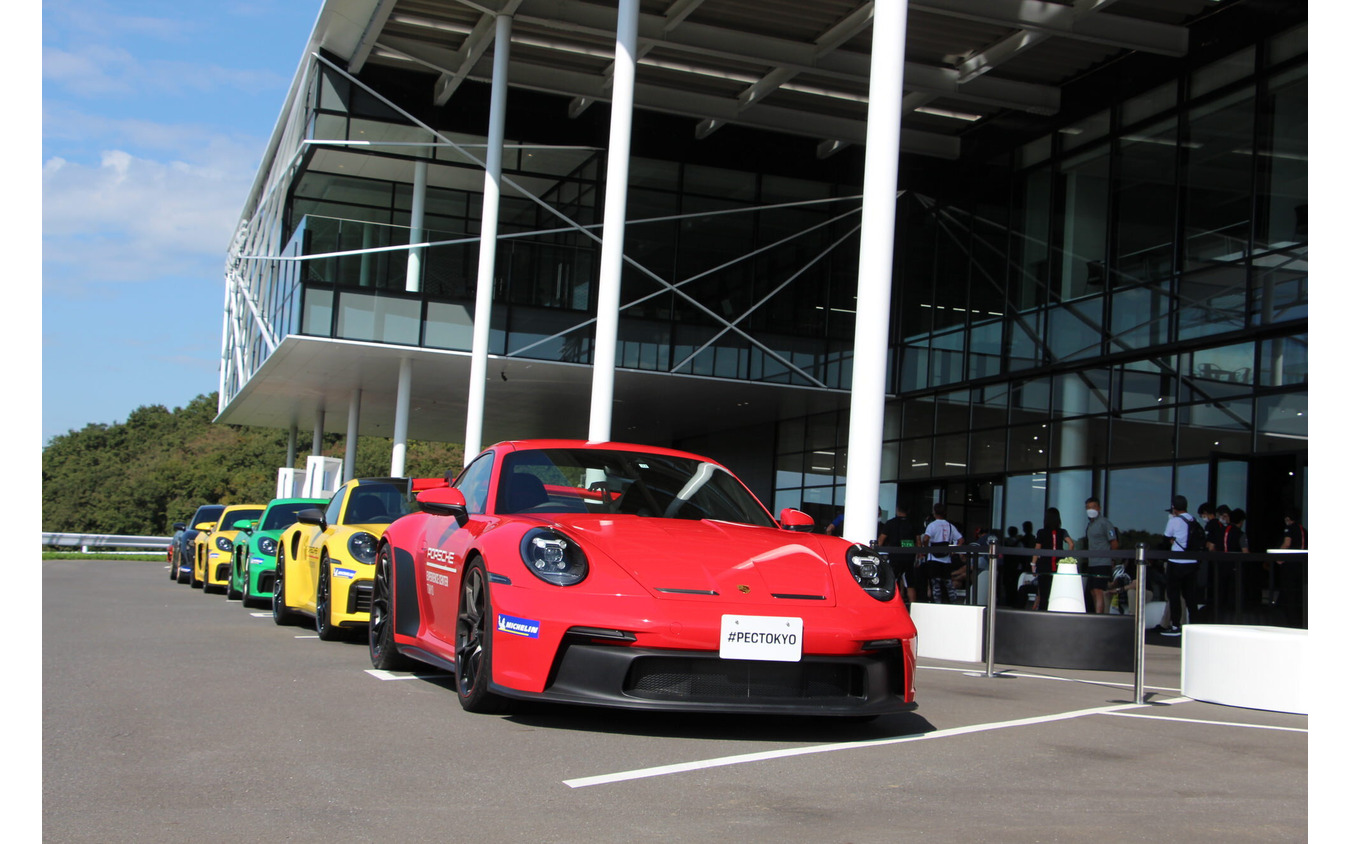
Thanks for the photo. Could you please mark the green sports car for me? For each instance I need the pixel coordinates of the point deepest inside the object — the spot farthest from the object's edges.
(255, 550)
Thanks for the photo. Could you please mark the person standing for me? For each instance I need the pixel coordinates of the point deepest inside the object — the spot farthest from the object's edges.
(1101, 535)
(939, 537)
(1052, 537)
(1182, 585)
(900, 532)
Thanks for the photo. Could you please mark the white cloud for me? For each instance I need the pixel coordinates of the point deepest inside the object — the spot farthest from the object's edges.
(131, 218)
(97, 70)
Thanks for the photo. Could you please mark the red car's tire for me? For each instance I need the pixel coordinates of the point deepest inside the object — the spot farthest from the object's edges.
(473, 643)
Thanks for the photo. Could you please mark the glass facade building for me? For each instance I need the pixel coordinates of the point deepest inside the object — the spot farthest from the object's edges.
(1111, 300)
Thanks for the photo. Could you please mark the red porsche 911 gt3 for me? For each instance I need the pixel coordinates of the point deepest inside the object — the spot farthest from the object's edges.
(622, 575)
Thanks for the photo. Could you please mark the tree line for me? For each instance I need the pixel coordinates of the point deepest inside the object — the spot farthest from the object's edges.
(140, 476)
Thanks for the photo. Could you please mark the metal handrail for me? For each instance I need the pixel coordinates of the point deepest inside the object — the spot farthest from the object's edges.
(103, 540)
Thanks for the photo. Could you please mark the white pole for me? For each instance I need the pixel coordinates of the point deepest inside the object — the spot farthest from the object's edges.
(401, 406)
(419, 201)
(616, 206)
(487, 247)
(875, 257)
(353, 426)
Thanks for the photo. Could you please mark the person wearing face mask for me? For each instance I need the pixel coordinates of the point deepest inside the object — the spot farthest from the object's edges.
(1101, 535)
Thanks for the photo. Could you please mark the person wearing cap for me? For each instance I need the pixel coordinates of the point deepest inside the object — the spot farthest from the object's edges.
(1182, 583)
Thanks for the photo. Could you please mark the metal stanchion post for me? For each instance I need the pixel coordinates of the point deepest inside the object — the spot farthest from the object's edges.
(1140, 599)
(992, 599)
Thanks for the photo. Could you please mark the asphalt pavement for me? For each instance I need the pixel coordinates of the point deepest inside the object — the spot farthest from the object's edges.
(169, 715)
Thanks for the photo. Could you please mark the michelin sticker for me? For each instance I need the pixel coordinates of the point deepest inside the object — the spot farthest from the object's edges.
(346, 574)
(517, 626)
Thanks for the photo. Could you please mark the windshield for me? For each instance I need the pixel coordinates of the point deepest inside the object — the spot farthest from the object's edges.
(237, 514)
(379, 502)
(282, 516)
(581, 480)
(207, 513)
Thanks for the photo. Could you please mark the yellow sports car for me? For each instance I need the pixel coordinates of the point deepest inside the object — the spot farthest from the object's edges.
(215, 547)
(326, 560)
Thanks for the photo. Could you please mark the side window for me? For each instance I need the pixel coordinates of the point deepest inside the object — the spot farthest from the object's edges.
(473, 482)
(335, 506)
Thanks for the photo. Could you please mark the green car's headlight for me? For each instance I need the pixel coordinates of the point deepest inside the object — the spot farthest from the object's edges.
(362, 547)
(267, 545)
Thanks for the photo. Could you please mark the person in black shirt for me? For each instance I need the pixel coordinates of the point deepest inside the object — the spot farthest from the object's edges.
(1052, 537)
(899, 531)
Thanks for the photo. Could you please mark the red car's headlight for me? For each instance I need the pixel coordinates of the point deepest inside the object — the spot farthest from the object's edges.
(873, 574)
(552, 557)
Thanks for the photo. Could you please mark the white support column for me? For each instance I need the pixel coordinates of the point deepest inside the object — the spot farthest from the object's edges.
(291, 446)
(401, 407)
(487, 247)
(353, 428)
(419, 203)
(616, 208)
(875, 258)
(316, 445)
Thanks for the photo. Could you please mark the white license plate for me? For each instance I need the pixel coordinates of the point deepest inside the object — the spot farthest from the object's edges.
(761, 637)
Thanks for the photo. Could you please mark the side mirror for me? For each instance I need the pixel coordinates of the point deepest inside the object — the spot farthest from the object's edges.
(311, 517)
(177, 526)
(245, 525)
(204, 527)
(796, 520)
(445, 501)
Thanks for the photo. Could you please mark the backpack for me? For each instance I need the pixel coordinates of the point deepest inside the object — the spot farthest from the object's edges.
(1195, 535)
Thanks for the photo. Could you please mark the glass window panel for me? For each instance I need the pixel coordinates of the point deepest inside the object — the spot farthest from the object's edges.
(1139, 317)
(1085, 186)
(918, 417)
(1144, 384)
(1032, 394)
(953, 411)
(1145, 436)
(1223, 426)
(1212, 301)
(822, 431)
(1028, 447)
(1025, 497)
(1193, 482)
(1145, 203)
(786, 498)
(1285, 416)
(1213, 373)
(379, 318)
(1149, 103)
(1025, 347)
(988, 451)
(1034, 152)
(1135, 498)
(1031, 241)
(913, 368)
(720, 182)
(1284, 361)
(448, 326)
(949, 455)
(1087, 391)
(1218, 180)
(1085, 131)
(1288, 44)
(318, 313)
(1076, 331)
(1226, 70)
(1080, 442)
(1281, 293)
(791, 435)
(916, 460)
(788, 470)
(890, 460)
(1067, 492)
(1283, 192)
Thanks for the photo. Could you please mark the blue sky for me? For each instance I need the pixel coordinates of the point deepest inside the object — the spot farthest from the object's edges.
(154, 118)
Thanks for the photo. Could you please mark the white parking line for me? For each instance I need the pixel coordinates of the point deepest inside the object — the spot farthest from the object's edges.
(1203, 721)
(1030, 676)
(663, 770)
(380, 674)
(315, 636)
(261, 614)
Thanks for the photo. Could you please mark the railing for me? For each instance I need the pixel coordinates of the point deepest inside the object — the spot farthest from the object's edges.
(1227, 572)
(86, 541)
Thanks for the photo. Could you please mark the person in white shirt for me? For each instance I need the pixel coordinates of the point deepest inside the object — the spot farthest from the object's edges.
(1182, 583)
(940, 535)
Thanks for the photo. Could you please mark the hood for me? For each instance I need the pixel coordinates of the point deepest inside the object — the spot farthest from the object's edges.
(680, 559)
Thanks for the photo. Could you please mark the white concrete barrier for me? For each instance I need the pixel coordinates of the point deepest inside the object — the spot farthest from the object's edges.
(1066, 589)
(950, 631)
(1244, 665)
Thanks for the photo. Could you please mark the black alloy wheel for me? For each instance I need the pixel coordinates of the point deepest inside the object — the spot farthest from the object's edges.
(323, 601)
(384, 654)
(473, 643)
(281, 614)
